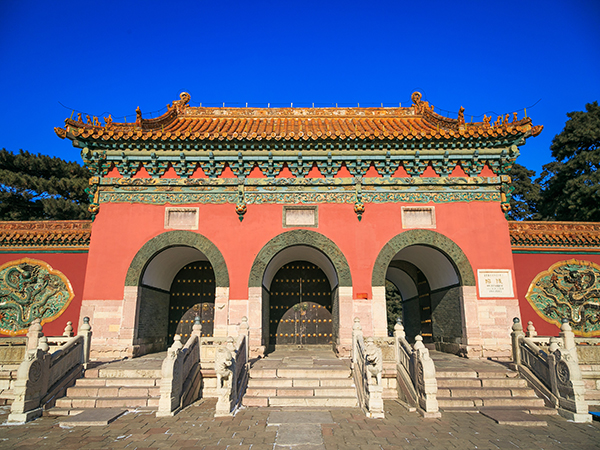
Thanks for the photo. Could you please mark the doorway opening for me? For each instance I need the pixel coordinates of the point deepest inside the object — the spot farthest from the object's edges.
(300, 310)
(423, 288)
(192, 294)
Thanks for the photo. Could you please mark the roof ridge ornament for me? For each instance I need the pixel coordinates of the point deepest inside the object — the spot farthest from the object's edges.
(182, 104)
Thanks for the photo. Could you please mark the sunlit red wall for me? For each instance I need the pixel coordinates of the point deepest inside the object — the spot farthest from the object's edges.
(121, 229)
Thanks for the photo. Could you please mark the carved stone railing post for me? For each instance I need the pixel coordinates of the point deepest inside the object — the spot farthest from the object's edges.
(423, 375)
(531, 330)
(565, 376)
(34, 334)
(367, 368)
(68, 329)
(356, 334)
(516, 335)
(85, 330)
(555, 373)
(32, 377)
(374, 371)
(171, 380)
(180, 373)
(42, 376)
(225, 369)
(244, 330)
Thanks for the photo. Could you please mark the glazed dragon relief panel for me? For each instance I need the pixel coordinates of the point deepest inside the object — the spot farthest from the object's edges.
(29, 290)
(569, 289)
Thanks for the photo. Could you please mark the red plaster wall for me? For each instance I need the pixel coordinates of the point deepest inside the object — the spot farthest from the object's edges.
(120, 230)
(73, 266)
(527, 267)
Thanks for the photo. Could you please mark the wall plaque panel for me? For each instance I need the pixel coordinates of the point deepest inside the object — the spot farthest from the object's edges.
(495, 283)
(300, 216)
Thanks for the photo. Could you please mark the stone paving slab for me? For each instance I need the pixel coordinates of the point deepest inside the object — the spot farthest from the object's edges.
(514, 418)
(303, 417)
(196, 427)
(92, 417)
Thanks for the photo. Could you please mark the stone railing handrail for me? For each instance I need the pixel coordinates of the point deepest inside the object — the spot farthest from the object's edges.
(367, 368)
(231, 368)
(554, 370)
(181, 377)
(43, 376)
(415, 373)
(587, 340)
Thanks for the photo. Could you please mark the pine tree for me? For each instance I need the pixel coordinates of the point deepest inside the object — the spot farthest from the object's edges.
(571, 183)
(40, 187)
(525, 198)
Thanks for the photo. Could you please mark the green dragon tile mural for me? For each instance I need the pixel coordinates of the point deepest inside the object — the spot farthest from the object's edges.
(569, 289)
(29, 290)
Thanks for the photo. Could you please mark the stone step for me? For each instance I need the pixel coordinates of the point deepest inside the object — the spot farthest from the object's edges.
(498, 374)
(120, 382)
(458, 382)
(479, 382)
(116, 391)
(521, 402)
(475, 374)
(302, 372)
(300, 382)
(301, 392)
(348, 402)
(504, 383)
(444, 403)
(460, 392)
(516, 402)
(459, 374)
(126, 373)
(99, 402)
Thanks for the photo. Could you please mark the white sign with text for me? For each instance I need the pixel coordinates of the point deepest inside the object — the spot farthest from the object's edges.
(495, 283)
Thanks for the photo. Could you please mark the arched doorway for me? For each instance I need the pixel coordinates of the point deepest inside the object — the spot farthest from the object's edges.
(297, 247)
(192, 294)
(175, 276)
(300, 310)
(430, 274)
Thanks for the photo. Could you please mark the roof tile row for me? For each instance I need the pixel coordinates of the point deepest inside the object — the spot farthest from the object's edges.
(183, 122)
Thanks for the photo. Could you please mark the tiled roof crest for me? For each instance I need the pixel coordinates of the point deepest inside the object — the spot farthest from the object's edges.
(51, 234)
(554, 235)
(184, 122)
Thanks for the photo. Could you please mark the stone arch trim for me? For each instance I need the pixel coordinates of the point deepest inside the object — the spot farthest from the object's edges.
(172, 239)
(423, 237)
(300, 237)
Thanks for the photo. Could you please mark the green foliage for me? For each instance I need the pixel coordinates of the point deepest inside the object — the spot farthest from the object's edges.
(39, 187)
(394, 305)
(525, 198)
(571, 183)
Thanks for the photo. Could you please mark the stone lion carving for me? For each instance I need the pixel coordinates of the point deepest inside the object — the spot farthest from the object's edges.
(224, 366)
(374, 360)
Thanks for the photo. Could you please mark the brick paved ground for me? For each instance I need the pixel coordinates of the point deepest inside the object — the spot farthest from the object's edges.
(196, 428)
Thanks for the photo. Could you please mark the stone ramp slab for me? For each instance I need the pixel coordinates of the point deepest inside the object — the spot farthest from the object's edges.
(299, 430)
(93, 417)
(513, 417)
(299, 417)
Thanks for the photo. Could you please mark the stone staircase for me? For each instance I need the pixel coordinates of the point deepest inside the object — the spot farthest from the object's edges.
(127, 384)
(472, 385)
(308, 377)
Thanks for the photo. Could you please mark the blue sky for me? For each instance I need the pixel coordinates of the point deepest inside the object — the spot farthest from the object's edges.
(110, 57)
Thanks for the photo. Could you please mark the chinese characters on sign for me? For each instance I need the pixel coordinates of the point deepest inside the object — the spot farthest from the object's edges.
(495, 283)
